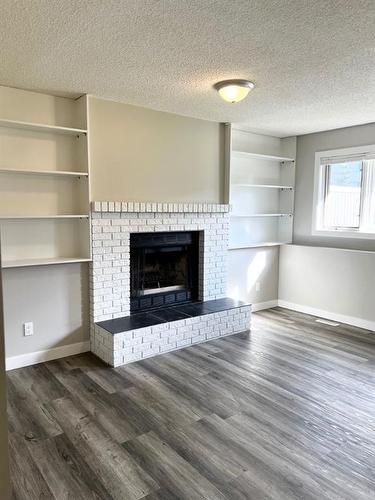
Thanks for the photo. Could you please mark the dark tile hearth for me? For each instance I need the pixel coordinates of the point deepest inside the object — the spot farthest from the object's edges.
(132, 322)
(173, 313)
(170, 314)
(210, 306)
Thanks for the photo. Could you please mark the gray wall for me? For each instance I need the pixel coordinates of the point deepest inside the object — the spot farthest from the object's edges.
(137, 154)
(54, 298)
(307, 145)
(327, 276)
(330, 282)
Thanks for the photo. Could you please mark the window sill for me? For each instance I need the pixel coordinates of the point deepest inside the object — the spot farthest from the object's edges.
(343, 234)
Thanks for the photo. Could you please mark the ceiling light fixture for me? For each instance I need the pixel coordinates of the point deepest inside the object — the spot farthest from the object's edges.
(234, 90)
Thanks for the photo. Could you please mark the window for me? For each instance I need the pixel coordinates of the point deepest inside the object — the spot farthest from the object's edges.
(344, 200)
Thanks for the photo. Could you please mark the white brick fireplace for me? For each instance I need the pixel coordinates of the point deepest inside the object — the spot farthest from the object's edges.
(112, 224)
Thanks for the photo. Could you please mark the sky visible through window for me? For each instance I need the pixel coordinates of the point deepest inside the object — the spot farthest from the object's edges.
(346, 198)
(346, 174)
(343, 197)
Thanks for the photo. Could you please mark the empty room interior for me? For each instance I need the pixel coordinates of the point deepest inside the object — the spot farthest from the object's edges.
(187, 250)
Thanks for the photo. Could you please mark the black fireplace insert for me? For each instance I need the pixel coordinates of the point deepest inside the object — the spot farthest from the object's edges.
(164, 269)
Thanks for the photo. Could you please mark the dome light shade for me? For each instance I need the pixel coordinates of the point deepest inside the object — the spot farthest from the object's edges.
(234, 90)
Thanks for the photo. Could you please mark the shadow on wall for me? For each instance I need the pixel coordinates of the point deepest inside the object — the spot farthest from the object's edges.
(254, 271)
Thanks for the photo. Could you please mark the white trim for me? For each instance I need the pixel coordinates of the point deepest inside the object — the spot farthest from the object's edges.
(317, 195)
(366, 151)
(329, 248)
(341, 318)
(343, 234)
(317, 207)
(327, 322)
(259, 306)
(33, 358)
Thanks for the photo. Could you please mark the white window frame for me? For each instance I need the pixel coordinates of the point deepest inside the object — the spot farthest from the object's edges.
(319, 195)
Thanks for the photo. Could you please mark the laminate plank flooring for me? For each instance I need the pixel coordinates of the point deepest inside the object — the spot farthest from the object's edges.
(285, 412)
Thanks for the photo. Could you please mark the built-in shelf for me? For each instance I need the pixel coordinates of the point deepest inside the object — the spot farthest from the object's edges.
(42, 262)
(260, 189)
(260, 244)
(44, 173)
(41, 127)
(257, 156)
(260, 215)
(27, 217)
(56, 173)
(271, 186)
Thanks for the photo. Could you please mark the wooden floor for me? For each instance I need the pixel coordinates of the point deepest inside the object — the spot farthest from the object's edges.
(286, 412)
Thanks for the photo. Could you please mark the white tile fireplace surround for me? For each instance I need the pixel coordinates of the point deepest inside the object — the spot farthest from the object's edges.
(112, 224)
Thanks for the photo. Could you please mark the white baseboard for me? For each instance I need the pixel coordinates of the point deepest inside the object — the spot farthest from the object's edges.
(33, 358)
(259, 306)
(341, 318)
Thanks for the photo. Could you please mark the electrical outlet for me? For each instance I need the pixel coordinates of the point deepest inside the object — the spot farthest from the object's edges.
(28, 329)
(257, 286)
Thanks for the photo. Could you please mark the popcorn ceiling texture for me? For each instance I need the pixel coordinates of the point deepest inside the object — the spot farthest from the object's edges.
(312, 61)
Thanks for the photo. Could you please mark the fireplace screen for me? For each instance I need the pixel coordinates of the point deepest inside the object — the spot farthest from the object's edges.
(164, 269)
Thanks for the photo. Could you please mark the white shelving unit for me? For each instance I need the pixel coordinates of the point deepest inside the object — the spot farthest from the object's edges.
(41, 217)
(10, 264)
(260, 245)
(247, 216)
(41, 127)
(54, 173)
(260, 189)
(258, 156)
(264, 186)
(44, 182)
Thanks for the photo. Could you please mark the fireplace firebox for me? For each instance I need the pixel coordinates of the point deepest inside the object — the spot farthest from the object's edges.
(164, 269)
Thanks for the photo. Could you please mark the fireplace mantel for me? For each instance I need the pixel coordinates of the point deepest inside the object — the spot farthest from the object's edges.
(157, 207)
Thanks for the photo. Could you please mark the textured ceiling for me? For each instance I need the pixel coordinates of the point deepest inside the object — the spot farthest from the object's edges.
(312, 60)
